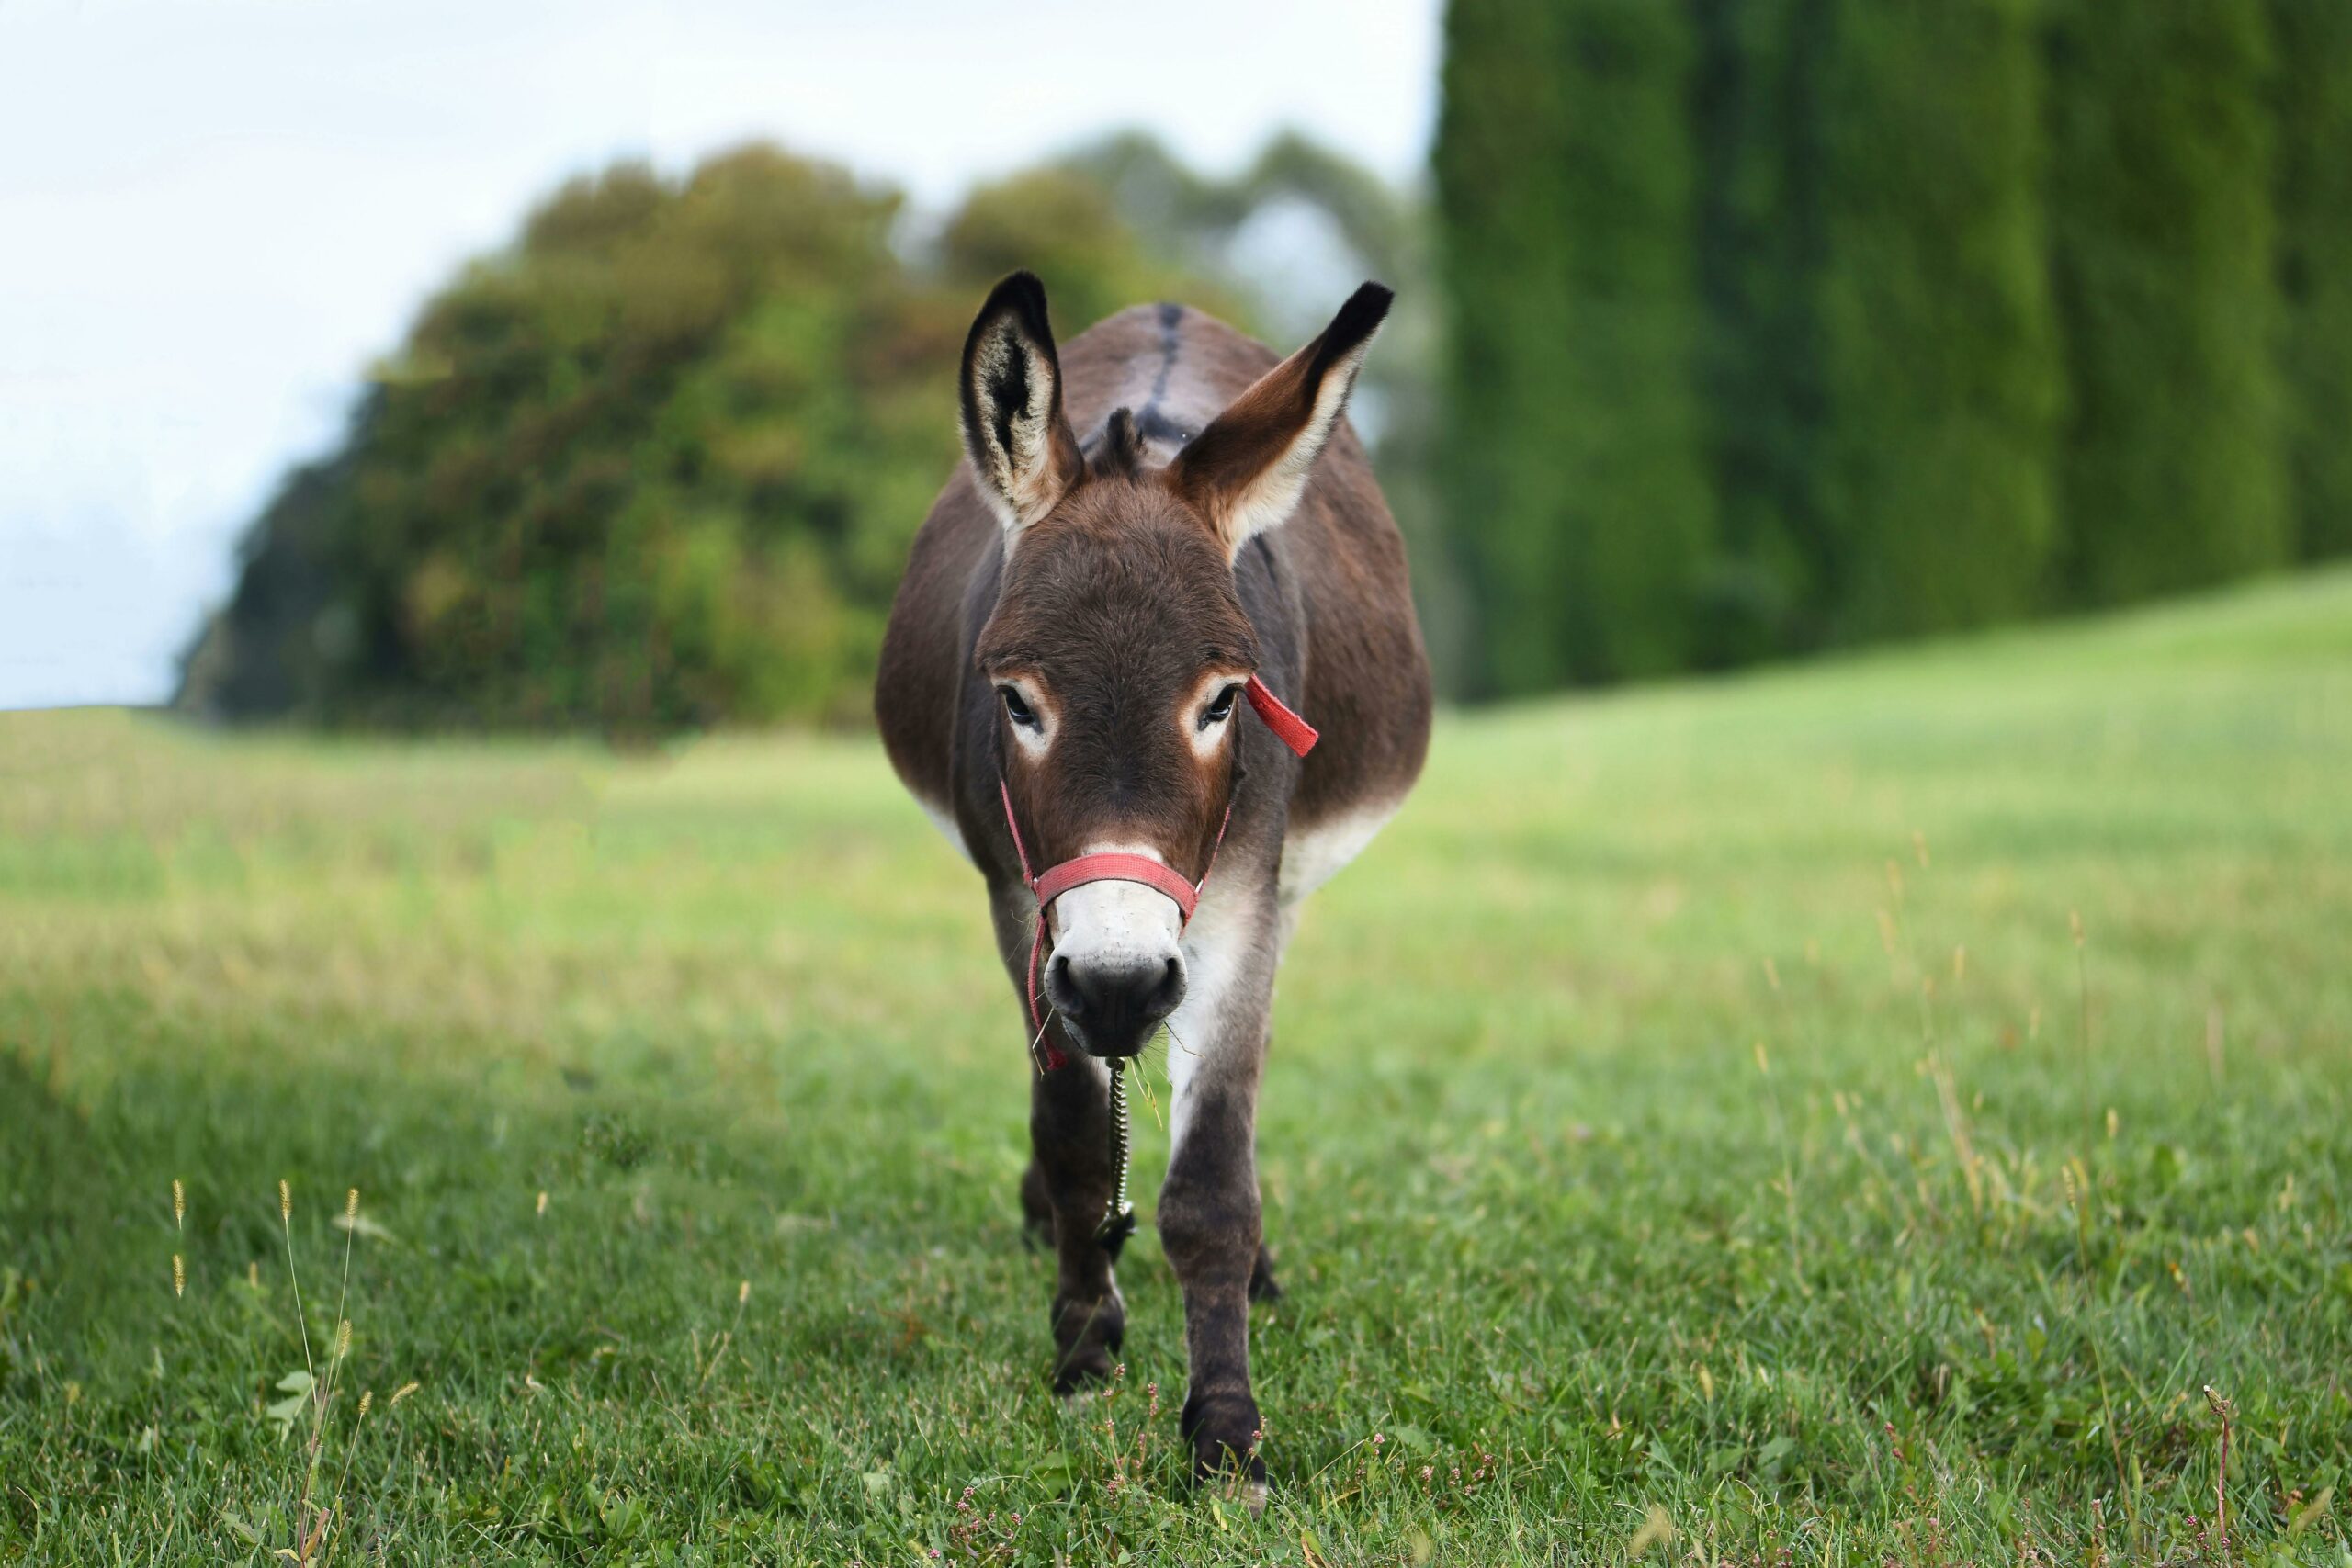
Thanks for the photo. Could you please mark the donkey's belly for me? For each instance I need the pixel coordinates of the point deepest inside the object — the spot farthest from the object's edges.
(1313, 855)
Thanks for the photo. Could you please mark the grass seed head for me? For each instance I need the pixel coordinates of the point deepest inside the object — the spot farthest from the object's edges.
(343, 1340)
(1656, 1530)
(543, 1203)
(367, 1398)
(180, 1276)
(179, 1205)
(743, 1292)
(402, 1393)
(351, 1204)
(285, 1201)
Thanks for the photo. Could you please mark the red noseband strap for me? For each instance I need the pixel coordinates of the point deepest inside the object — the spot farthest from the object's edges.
(1110, 866)
(1114, 867)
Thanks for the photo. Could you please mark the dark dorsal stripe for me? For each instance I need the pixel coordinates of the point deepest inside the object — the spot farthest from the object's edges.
(1116, 448)
(1170, 314)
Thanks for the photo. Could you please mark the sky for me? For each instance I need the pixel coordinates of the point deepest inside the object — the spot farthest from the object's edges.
(215, 213)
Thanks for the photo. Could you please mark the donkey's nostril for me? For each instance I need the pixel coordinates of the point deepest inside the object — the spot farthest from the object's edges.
(1068, 996)
(1169, 992)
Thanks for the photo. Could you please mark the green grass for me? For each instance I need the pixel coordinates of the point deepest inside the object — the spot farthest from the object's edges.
(1635, 1131)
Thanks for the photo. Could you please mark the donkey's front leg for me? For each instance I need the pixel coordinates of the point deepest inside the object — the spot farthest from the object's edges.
(1209, 1227)
(1070, 1129)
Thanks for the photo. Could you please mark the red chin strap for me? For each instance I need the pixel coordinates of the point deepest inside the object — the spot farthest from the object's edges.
(1288, 727)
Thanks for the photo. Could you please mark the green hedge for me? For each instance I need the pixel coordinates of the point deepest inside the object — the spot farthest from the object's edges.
(1575, 458)
(1939, 377)
(2162, 229)
(2312, 103)
(1959, 311)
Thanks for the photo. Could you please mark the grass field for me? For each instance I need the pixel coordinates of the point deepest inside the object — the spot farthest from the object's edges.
(1695, 1133)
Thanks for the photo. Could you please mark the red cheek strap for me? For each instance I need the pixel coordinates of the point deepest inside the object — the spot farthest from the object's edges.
(1289, 728)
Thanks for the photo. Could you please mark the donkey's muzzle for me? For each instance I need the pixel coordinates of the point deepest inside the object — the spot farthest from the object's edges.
(1111, 1003)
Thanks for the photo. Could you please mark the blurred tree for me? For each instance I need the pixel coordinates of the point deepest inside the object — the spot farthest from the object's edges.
(1939, 381)
(2312, 96)
(657, 464)
(287, 631)
(1061, 224)
(2162, 234)
(1575, 464)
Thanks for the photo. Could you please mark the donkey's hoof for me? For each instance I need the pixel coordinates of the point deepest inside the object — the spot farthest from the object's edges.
(1224, 1431)
(1086, 1335)
(1080, 1374)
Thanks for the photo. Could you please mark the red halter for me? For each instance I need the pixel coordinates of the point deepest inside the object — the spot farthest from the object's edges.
(1289, 728)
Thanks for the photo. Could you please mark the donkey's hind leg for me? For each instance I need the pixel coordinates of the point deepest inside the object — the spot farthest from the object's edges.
(1036, 1208)
(1263, 1286)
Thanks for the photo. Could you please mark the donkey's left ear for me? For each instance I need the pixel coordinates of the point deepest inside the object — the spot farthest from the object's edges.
(1023, 454)
(1246, 472)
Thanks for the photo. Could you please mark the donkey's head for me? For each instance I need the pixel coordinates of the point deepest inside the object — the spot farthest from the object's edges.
(1118, 647)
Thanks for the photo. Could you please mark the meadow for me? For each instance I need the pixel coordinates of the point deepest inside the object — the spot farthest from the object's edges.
(1843, 1114)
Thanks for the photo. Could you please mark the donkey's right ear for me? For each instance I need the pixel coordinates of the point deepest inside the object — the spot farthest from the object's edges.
(1022, 451)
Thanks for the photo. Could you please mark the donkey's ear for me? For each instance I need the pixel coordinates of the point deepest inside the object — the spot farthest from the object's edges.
(1247, 471)
(1021, 446)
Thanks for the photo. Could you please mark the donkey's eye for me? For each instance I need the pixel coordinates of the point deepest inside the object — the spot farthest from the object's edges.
(1221, 710)
(1017, 710)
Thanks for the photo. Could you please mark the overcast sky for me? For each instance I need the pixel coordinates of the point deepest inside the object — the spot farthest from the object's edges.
(213, 213)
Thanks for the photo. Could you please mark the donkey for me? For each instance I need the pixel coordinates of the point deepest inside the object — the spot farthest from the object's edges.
(1061, 687)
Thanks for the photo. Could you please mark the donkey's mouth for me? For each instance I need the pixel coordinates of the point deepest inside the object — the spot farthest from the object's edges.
(1112, 1006)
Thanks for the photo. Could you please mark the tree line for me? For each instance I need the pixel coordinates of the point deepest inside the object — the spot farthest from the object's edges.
(1777, 324)
(657, 463)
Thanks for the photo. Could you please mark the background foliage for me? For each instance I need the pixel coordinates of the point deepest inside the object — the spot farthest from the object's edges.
(1985, 309)
(658, 463)
(1734, 329)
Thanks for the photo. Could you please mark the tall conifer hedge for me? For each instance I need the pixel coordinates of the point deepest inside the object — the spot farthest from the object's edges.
(2314, 115)
(1565, 175)
(1957, 311)
(2161, 223)
(1939, 377)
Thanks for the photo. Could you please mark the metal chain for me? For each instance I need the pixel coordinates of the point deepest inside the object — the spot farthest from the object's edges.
(1119, 1217)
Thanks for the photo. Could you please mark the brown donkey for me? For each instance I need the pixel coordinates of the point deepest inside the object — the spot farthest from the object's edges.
(1060, 689)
